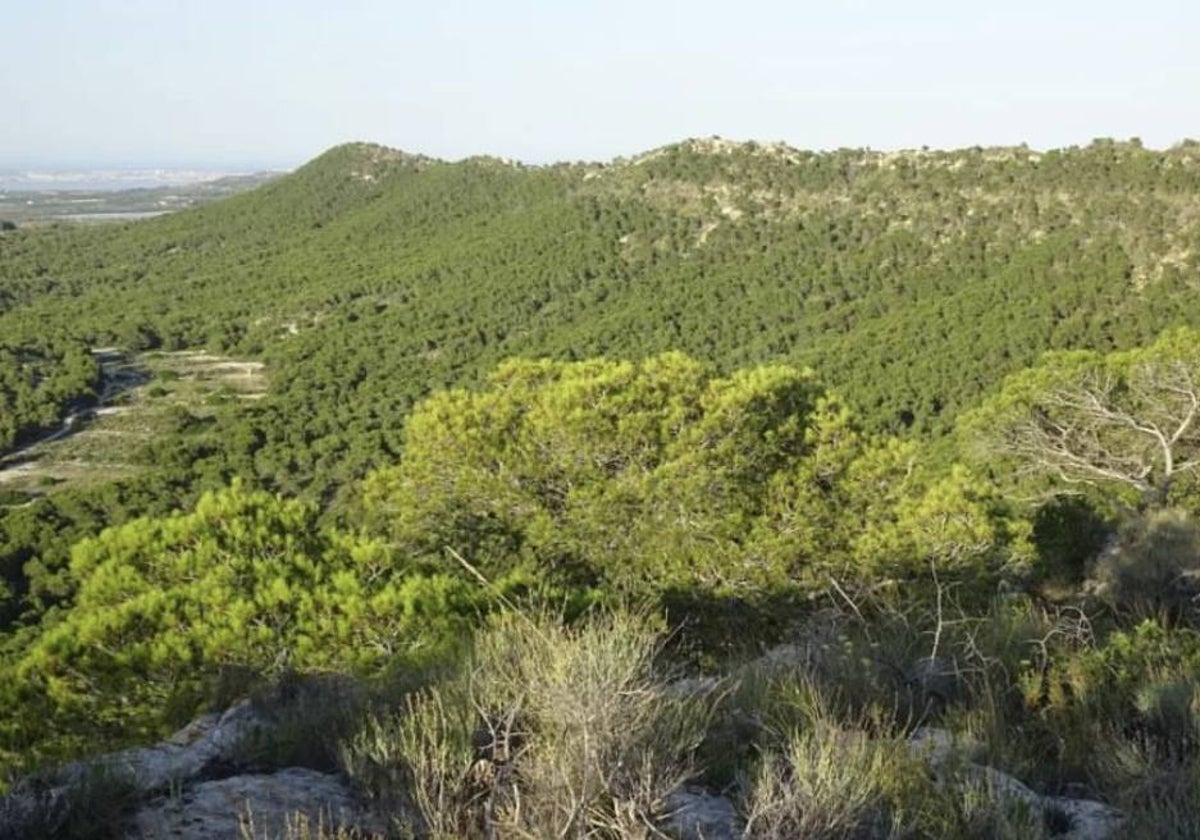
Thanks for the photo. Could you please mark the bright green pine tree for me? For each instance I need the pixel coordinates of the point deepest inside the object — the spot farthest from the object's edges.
(245, 579)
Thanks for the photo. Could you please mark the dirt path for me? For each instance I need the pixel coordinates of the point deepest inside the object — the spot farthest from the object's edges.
(114, 379)
(97, 444)
(117, 375)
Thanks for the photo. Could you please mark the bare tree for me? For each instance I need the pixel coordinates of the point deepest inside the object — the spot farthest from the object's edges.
(1135, 427)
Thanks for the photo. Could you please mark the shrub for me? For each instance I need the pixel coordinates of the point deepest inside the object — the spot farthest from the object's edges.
(309, 715)
(825, 782)
(92, 805)
(832, 779)
(1088, 710)
(1160, 797)
(301, 827)
(1153, 569)
(1068, 532)
(549, 731)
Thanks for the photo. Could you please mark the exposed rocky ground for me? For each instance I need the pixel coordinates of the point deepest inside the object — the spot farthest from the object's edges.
(203, 783)
(194, 786)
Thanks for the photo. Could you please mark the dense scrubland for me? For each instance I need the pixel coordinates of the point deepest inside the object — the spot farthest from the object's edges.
(543, 445)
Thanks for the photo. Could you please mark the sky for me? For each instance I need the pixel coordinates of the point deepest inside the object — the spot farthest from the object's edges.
(248, 84)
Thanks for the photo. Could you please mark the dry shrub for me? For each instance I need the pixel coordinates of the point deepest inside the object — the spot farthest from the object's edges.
(834, 778)
(301, 827)
(826, 782)
(552, 731)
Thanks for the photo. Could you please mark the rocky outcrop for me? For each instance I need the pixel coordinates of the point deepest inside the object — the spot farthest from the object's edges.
(696, 814)
(1070, 819)
(192, 786)
(262, 805)
(194, 752)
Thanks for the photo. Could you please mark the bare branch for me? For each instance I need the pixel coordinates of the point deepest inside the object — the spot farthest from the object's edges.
(1139, 430)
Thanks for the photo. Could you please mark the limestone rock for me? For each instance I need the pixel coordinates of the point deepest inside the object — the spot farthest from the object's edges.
(192, 785)
(29, 812)
(696, 814)
(1081, 819)
(263, 805)
(207, 741)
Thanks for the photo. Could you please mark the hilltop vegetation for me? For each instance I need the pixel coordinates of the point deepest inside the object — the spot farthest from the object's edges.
(911, 411)
(850, 262)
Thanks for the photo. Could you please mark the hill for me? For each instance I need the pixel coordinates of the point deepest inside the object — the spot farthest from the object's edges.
(393, 417)
(914, 279)
(369, 277)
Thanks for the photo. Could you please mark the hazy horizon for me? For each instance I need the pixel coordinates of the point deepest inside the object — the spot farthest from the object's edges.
(90, 179)
(203, 171)
(269, 85)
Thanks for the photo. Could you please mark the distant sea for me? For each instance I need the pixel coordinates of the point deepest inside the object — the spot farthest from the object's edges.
(35, 180)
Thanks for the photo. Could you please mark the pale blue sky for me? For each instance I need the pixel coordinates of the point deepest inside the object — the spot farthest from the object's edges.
(237, 83)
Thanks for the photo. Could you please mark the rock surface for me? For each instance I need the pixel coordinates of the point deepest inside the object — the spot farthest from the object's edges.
(254, 806)
(1080, 819)
(696, 814)
(207, 741)
(192, 786)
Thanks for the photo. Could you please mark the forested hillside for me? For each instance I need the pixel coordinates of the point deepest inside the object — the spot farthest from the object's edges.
(942, 270)
(366, 279)
(38, 382)
(942, 404)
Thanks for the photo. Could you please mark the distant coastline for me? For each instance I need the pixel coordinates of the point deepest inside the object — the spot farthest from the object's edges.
(114, 195)
(55, 180)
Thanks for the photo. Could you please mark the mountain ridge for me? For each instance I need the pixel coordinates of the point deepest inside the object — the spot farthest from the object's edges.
(716, 145)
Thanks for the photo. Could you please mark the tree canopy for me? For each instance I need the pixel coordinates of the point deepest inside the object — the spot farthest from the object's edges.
(245, 579)
(642, 477)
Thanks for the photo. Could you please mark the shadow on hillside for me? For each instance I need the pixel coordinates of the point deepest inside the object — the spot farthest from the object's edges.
(729, 628)
(119, 374)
